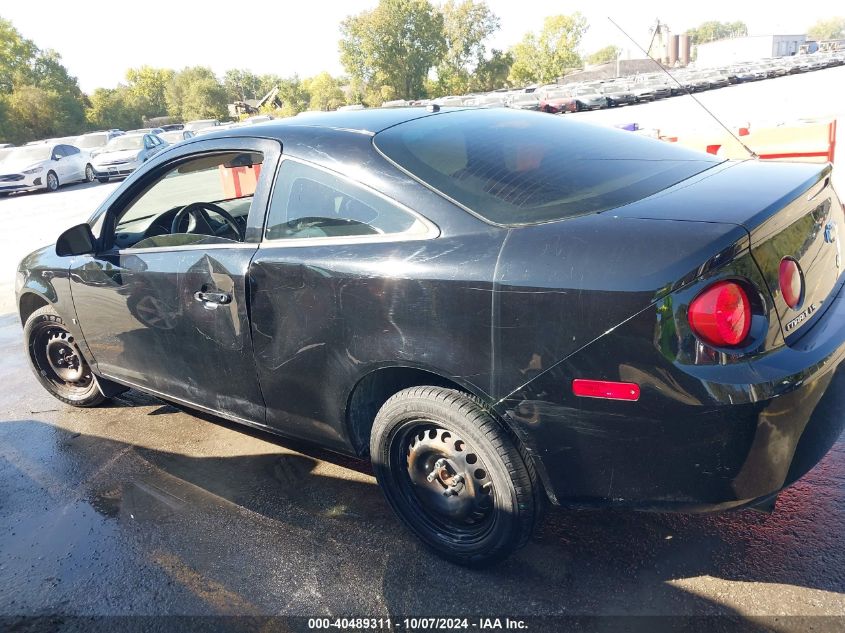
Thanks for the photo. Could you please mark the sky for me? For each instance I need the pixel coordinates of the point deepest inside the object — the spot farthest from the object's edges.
(99, 43)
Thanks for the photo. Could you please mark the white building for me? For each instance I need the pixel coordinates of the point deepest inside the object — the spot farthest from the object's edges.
(749, 48)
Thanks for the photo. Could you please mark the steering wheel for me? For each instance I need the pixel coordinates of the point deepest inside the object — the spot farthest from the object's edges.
(198, 220)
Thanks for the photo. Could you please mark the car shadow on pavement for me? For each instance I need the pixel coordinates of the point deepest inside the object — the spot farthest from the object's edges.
(322, 519)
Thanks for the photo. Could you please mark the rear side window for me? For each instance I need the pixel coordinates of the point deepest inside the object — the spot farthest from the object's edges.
(513, 167)
(309, 202)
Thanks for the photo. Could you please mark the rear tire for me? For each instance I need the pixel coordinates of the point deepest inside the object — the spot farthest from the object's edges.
(454, 475)
(57, 362)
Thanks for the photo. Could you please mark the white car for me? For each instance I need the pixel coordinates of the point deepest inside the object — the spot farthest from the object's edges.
(45, 166)
(175, 136)
(124, 154)
(93, 142)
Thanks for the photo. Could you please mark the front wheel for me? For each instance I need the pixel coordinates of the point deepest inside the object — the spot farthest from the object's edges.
(52, 181)
(454, 476)
(57, 362)
(89, 173)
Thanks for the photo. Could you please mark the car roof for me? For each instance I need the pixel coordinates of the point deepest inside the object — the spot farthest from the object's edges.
(369, 121)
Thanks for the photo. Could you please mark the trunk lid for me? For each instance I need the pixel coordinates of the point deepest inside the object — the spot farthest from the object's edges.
(788, 209)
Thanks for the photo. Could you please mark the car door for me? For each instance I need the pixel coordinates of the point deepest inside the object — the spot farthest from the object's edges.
(60, 165)
(162, 305)
(74, 163)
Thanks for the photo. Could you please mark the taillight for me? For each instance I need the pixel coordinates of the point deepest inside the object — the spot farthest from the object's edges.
(791, 282)
(721, 314)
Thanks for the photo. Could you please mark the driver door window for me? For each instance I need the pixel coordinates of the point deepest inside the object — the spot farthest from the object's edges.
(202, 200)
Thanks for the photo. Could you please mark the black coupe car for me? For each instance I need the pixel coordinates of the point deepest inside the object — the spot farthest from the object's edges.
(498, 308)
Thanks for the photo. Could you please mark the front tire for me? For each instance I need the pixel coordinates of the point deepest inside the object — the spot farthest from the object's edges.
(89, 173)
(57, 362)
(454, 475)
(52, 181)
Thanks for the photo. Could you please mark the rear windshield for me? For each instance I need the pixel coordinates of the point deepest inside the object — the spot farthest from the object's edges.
(512, 167)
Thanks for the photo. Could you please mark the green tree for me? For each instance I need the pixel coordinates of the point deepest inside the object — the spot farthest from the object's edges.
(466, 27)
(492, 73)
(40, 113)
(112, 108)
(829, 29)
(293, 95)
(35, 84)
(146, 89)
(396, 44)
(604, 55)
(545, 56)
(326, 92)
(196, 93)
(16, 56)
(714, 30)
(242, 85)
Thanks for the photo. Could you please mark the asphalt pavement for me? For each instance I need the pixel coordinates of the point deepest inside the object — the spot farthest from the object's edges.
(139, 509)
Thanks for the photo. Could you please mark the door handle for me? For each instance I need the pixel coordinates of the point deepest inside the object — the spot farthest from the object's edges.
(211, 300)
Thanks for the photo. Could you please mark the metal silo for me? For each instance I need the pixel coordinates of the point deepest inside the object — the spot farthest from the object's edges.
(684, 49)
(673, 49)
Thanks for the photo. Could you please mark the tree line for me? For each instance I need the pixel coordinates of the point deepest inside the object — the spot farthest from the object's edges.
(401, 49)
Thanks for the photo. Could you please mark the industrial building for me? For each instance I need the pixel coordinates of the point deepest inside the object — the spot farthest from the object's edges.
(748, 48)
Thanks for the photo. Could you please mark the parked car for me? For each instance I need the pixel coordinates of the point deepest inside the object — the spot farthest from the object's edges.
(175, 136)
(44, 166)
(258, 118)
(558, 101)
(522, 101)
(201, 124)
(651, 90)
(617, 94)
(93, 142)
(497, 308)
(124, 154)
(589, 98)
(146, 130)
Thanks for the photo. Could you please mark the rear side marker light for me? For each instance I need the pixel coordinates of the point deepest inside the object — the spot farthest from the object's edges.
(791, 282)
(721, 314)
(606, 389)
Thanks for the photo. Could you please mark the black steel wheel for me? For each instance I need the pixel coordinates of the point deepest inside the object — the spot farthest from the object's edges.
(454, 475)
(52, 181)
(57, 362)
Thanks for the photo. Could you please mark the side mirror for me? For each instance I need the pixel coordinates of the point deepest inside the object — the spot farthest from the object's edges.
(56, 157)
(77, 240)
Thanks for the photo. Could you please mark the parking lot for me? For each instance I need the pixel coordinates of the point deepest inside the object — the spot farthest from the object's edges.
(138, 508)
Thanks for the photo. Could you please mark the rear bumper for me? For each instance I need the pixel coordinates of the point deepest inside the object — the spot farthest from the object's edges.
(742, 434)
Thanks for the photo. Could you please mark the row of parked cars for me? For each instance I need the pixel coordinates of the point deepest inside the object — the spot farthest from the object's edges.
(101, 156)
(644, 87)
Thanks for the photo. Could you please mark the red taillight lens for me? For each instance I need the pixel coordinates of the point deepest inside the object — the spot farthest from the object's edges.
(721, 315)
(791, 282)
(607, 389)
